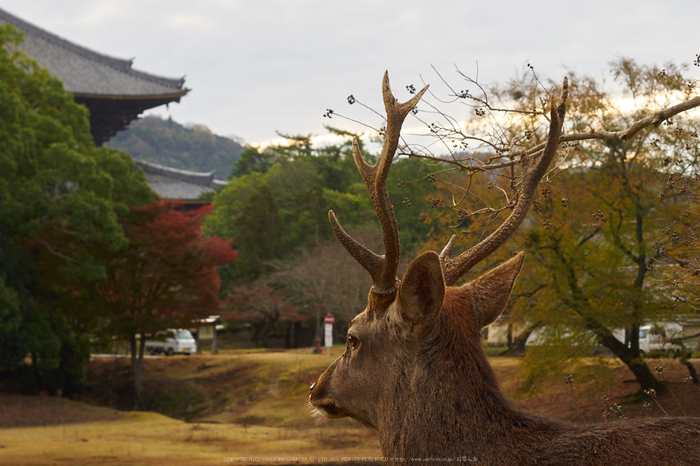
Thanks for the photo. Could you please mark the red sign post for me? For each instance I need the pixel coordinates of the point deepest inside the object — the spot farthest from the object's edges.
(329, 320)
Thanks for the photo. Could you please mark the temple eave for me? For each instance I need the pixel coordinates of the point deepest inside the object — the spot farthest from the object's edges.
(175, 97)
(109, 116)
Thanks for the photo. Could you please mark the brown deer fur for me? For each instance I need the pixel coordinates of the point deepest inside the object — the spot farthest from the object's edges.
(414, 368)
(419, 375)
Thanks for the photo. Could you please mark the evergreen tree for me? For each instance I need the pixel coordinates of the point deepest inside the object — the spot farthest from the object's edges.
(57, 191)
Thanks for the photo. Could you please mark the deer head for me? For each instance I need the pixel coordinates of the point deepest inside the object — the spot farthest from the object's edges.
(418, 338)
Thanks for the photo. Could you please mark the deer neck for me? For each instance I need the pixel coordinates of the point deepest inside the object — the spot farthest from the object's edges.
(450, 404)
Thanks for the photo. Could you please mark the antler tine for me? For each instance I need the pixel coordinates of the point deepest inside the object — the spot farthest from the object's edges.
(447, 250)
(381, 268)
(372, 262)
(453, 269)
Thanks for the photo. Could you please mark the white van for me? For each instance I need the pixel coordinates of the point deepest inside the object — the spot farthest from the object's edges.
(657, 337)
(172, 341)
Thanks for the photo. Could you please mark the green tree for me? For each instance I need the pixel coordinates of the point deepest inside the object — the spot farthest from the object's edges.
(304, 183)
(246, 210)
(251, 160)
(598, 269)
(601, 224)
(262, 231)
(598, 221)
(273, 212)
(14, 301)
(56, 191)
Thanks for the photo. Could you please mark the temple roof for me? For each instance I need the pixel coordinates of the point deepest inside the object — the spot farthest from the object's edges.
(109, 87)
(171, 183)
(88, 73)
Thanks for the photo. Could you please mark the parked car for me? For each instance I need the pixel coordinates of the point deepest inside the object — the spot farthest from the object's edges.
(172, 341)
(657, 337)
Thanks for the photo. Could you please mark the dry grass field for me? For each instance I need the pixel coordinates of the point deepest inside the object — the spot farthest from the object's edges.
(154, 439)
(248, 407)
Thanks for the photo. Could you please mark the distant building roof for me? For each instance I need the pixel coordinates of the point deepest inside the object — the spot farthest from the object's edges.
(113, 91)
(171, 183)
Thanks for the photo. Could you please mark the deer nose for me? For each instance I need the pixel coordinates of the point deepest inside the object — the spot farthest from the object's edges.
(311, 388)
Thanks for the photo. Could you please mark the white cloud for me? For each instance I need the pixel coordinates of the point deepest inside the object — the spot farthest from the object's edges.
(257, 67)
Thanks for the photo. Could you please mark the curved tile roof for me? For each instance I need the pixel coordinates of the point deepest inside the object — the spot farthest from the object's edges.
(86, 73)
(172, 183)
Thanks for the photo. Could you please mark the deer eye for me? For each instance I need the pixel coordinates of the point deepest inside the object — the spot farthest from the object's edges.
(352, 342)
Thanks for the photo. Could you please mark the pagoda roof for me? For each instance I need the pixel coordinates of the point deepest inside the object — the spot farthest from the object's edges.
(172, 183)
(89, 74)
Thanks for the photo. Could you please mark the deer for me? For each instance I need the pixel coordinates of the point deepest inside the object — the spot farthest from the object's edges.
(414, 368)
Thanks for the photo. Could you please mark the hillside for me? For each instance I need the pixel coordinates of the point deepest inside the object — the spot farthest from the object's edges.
(169, 143)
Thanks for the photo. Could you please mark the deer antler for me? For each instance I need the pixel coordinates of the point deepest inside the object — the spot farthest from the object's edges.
(381, 268)
(453, 269)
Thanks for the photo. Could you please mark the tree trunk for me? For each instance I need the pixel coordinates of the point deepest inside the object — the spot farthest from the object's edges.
(197, 341)
(684, 354)
(516, 345)
(633, 361)
(643, 374)
(291, 336)
(264, 331)
(137, 368)
(693, 373)
(684, 358)
(35, 371)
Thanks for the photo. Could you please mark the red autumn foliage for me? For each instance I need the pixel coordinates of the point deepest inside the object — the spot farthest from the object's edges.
(166, 276)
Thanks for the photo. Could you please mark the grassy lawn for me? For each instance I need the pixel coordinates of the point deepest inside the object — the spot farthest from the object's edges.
(154, 439)
(248, 405)
(251, 407)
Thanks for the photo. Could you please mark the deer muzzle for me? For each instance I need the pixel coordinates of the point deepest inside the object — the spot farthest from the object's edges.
(320, 399)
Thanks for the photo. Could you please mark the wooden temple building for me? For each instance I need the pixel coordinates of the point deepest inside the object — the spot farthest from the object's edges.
(115, 94)
(110, 88)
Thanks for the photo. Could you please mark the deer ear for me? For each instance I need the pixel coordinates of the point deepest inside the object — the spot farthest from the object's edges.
(491, 291)
(422, 290)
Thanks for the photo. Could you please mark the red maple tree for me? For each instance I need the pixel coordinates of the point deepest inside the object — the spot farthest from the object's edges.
(165, 278)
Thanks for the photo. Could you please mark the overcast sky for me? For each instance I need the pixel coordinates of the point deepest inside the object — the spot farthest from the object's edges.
(257, 66)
